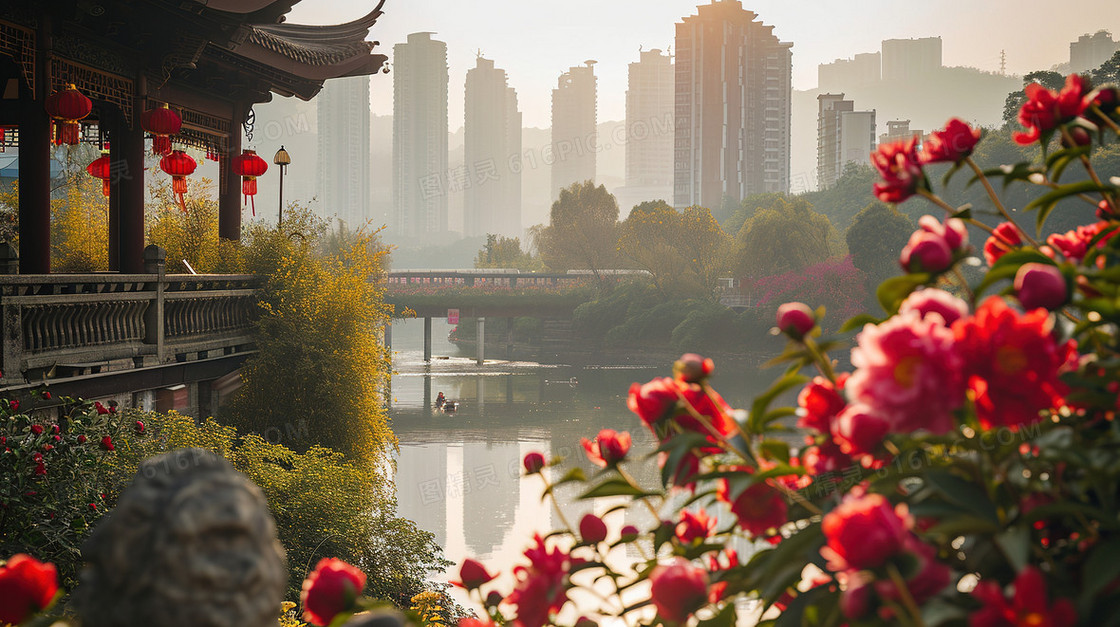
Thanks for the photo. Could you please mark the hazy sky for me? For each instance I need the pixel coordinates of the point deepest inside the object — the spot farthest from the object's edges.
(536, 41)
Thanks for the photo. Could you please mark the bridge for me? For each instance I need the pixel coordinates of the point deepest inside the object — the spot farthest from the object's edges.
(482, 294)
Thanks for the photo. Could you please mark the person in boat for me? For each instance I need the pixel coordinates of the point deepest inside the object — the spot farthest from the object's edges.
(440, 400)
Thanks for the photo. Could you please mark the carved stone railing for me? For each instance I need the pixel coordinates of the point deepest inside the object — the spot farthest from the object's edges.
(60, 324)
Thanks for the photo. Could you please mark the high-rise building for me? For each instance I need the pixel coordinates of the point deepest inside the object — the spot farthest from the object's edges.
(574, 136)
(863, 69)
(343, 150)
(733, 93)
(421, 181)
(492, 143)
(649, 129)
(1090, 51)
(910, 59)
(844, 136)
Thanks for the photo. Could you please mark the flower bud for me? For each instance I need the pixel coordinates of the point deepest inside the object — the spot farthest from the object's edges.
(494, 599)
(926, 252)
(692, 368)
(472, 574)
(859, 430)
(796, 319)
(678, 589)
(629, 533)
(534, 462)
(592, 529)
(1041, 285)
(934, 301)
(1104, 211)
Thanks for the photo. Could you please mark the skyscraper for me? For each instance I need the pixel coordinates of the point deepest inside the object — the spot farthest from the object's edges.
(574, 136)
(343, 150)
(1090, 51)
(420, 178)
(733, 93)
(844, 135)
(492, 142)
(911, 59)
(649, 129)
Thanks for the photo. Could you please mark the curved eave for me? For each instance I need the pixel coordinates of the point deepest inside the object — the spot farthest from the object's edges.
(334, 33)
(354, 66)
(243, 7)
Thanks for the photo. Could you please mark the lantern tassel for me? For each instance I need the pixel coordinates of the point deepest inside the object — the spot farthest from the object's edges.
(161, 144)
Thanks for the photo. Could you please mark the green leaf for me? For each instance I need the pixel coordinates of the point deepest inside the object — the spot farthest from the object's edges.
(966, 494)
(775, 450)
(760, 405)
(725, 618)
(1046, 202)
(894, 290)
(1101, 569)
(1016, 545)
(857, 322)
(1058, 161)
(613, 487)
(1008, 265)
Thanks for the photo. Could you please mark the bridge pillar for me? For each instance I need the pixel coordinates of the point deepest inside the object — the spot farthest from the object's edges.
(387, 329)
(509, 338)
(427, 338)
(481, 341)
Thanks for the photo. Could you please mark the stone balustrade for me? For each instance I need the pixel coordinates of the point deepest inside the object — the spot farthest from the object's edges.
(62, 324)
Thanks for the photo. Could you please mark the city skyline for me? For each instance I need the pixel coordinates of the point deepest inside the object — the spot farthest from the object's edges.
(973, 35)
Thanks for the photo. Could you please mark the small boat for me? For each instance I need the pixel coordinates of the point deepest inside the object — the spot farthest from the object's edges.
(449, 407)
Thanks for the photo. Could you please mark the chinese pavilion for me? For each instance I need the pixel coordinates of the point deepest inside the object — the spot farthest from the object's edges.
(208, 60)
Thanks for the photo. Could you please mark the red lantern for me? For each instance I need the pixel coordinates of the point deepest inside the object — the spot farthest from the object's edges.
(100, 169)
(162, 122)
(249, 166)
(179, 165)
(67, 107)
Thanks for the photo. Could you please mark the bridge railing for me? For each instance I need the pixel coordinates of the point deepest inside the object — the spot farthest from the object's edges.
(67, 324)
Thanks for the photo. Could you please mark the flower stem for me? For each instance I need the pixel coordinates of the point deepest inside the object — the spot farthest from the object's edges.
(995, 198)
(634, 484)
(555, 504)
(904, 594)
(1107, 120)
(937, 200)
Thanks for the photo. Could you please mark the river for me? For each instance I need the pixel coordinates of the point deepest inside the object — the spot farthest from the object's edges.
(459, 475)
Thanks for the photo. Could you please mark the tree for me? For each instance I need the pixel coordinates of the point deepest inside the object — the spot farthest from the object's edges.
(784, 237)
(80, 227)
(582, 231)
(505, 252)
(850, 194)
(191, 236)
(683, 251)
(876, 239)
(1108, 72)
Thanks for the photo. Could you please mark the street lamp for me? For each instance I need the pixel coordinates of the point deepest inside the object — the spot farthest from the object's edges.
(282, 159)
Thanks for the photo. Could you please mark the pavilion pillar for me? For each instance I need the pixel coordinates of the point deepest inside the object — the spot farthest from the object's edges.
(127, 151)
(229, 184)
(34, 188)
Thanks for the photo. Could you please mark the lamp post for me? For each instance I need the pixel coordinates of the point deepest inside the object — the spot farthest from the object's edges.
(281, 159)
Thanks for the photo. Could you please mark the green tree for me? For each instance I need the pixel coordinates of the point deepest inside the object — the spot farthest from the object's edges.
(583, 231)
(747, 208)
(787, 236)
(505, 252)
(1108, 72)
(850, 194)
(876, 239)
(684, 251)
(319, 353)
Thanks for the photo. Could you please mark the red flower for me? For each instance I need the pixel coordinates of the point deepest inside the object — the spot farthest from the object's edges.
(678, 589)
(81, 439)
(1074, 245)
(694, 526)
(758, 509)
(860, 430)
(1046, 109)
(796, 319)
(952, 144)
(1005, 237)
(139, 427)
(13, 405)
(608, 449)
(332, 588)
(472, 574)
(628, 533)
(93, 506)
(37, 430)
(1012, 363)
(664, 406)
(107, 443)
(864, 532)
(653, 401)
(541, 588)
(901, 170)
(55, 429)
(592, 529)
(27, 586)
(826, 458)
(1029, 606)
(470, 621)
(40, 469)
(101, 409)
(821, 402)
(533, 462)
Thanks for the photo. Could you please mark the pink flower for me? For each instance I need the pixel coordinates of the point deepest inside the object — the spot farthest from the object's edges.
(1040, 285)
(332, 588)
(472, 574)
(934, 246)
(1074, 245)
(608, 449)
(864, 532)
(934, 301)
(1045, 109)
(908, 370)
(662, 405)
(825, 458)
(953, 231)
(678, 589)
(952, 144)
(899, 166)
(692, 368)
(628, 533)
(796, 319)
(592, 529)
(860, 430)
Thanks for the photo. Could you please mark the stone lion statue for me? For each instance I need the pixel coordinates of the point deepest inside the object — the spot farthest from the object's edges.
(191, 543)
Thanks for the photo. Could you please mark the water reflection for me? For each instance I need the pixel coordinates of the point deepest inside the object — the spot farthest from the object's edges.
(459, 474)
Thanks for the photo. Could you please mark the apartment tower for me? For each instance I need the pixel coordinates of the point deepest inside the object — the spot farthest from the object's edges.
(492, 144)
(574, 136)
